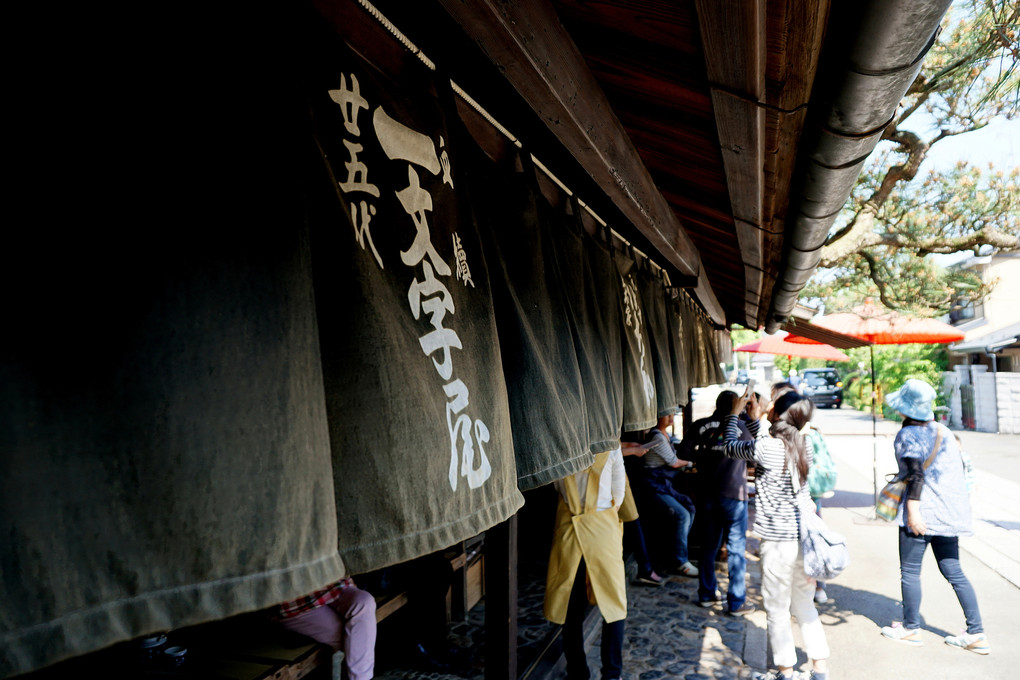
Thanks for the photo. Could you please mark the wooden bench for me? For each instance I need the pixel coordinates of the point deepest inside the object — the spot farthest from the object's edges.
(388, 604)
(468, 565)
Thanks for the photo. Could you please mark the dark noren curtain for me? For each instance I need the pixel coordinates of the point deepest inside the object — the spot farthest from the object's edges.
(653, 298)
(596, 342)
(640, 408)
(540, 360)
(419, 420)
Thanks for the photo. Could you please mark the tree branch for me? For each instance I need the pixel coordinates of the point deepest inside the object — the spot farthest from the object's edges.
(946, 244)
(880, 282)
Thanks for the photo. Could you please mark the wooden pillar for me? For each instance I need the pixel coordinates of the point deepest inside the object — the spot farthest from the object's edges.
(687, 411)
(501, 601)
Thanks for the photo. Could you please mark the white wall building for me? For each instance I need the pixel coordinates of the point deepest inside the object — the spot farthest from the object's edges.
(984, 385)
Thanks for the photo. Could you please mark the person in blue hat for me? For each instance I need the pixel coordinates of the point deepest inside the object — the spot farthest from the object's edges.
(936, 512)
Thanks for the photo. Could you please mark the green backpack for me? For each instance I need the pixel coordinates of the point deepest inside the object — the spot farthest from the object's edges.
(822, 475)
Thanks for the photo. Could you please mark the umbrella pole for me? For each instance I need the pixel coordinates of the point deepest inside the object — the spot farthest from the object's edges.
(874, 424)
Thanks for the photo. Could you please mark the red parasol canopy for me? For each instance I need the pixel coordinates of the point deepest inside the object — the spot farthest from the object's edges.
(884, 327)
(778, 344)
(880, 326)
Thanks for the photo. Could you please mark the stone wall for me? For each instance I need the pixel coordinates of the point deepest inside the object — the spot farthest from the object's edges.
(1007, 390)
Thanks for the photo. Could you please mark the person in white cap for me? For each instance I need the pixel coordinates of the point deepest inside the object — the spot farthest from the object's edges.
(936, 512)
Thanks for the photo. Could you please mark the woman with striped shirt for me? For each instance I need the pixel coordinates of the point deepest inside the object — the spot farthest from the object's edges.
(781, 457)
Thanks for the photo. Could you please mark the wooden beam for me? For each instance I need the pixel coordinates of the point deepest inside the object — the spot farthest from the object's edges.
(527, 43)
(741, 126)
(733, 36)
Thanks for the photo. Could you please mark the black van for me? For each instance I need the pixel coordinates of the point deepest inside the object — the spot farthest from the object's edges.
(823, 386)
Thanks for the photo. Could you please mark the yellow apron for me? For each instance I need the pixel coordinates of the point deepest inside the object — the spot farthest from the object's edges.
(597, 536)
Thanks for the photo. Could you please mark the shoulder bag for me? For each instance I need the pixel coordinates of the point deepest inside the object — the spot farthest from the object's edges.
(826, 553)
(889, 499)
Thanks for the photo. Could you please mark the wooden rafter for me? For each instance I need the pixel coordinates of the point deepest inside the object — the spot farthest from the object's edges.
(538, 57)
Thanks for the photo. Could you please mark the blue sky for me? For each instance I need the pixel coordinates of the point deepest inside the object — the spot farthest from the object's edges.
(998, 143)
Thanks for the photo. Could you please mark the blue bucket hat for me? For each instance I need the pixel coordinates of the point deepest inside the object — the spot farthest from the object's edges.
(913, 400)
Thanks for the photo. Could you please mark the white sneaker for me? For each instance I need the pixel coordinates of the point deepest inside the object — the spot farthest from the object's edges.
(778, 675)
(685, 569)
(909, 636)
(820, 595)
(977, 642)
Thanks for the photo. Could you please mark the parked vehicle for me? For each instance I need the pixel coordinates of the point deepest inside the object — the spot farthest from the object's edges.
(823, 386)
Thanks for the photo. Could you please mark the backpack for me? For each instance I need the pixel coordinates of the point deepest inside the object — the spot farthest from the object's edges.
(821, 477)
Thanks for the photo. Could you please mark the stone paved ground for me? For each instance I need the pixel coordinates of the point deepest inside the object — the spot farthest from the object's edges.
(667, 636)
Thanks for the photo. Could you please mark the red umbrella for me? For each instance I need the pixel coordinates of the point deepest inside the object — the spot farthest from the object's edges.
(880, 326)
(779, 344)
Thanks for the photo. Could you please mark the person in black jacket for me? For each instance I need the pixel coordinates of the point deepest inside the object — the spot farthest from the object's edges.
(722, 507)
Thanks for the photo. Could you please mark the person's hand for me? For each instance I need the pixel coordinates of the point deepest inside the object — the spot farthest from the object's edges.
(739, 404)
(756, 407)
(633, 449)
(915, 523)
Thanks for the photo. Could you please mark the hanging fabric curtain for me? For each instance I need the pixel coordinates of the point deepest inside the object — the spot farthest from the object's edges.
(592, 341)
(704, 352)
(604, 279)
(723, 350)
(640, 407)
(166, 455)
(711, 343)
(540, 361)
(692, 322)
(418, 413)
(679, 327)
(653, 299)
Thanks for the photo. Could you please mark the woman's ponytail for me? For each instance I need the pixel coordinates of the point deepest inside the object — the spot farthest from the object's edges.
(792, 412)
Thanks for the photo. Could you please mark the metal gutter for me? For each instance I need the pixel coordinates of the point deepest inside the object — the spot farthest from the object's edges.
(873, 52)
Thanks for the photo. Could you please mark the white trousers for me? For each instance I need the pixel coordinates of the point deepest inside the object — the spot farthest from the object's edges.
(787, 590)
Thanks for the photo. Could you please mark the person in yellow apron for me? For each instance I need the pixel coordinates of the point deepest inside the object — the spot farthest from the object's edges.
(586, 563)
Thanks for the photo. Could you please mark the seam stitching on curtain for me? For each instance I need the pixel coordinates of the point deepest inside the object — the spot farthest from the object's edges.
(139, 598)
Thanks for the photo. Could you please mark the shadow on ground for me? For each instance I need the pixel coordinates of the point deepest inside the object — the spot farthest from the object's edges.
(845, 603)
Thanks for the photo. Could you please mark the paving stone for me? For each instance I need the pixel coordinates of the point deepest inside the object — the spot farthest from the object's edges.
(667, 634)
(652, 675)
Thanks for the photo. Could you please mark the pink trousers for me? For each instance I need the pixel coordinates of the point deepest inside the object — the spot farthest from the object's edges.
(348, 625)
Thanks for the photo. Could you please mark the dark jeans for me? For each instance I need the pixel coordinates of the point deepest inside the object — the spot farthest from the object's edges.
(947, 555)
(634, 540)
(681, 515)
(724, 516)
(573, 636)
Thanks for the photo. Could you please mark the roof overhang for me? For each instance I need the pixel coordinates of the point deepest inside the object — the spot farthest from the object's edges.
(990, 342)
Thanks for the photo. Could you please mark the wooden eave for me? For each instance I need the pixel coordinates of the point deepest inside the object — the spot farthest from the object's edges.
(677, 121)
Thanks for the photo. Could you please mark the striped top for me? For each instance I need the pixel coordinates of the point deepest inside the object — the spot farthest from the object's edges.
(661, 453)
(776, 498)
